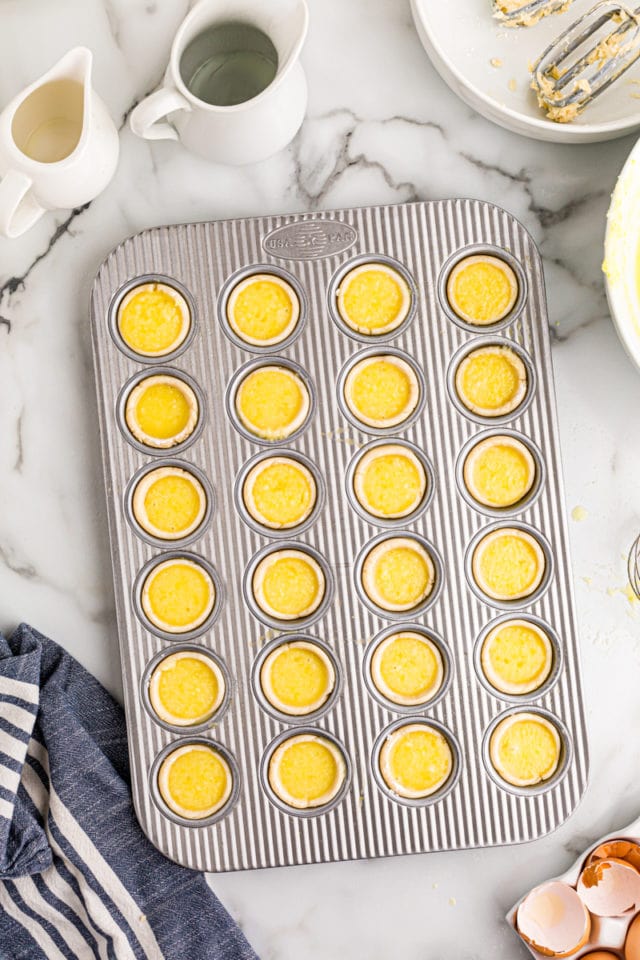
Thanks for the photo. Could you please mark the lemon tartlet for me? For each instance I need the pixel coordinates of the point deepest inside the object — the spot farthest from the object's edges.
(390, 481)
(169, 503)
(263, 309)
(382, 391)
(279, 492)
(416, 761)
(499, 471)
(288, 584)
(398, 574)
(162, 411)
(195, 781)
(525, 749)
(307, 770)
(186, 688)
(516, 657)
(297, 678)
(153, 319)
(178, 595)
(373, 299)
(482, 289)
(407, 668)
(491, 381)
(508, 564)
(272, 402)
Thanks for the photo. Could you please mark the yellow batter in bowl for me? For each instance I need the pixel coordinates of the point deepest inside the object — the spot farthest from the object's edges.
(398, 574)
(178, 595)
(491, 381)
(297, 678)
(307, 771)
(162, 411)
(482, 289)
(280, 492)
(186, 688)
(525, 749)
(508, 564)
(272, 402)
(499, 471)
(373, 299)
(382, 391)
(517, 657)
(416, 761)
(153, 319)
(390, 481)
(169, 503)
(289, 584)
(407, 668)
(263, 309)
(195, 781)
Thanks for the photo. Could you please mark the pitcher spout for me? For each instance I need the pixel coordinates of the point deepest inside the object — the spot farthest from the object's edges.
(75, 65)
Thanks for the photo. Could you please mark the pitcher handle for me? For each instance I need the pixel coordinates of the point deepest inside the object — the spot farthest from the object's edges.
(146, 117)
(19, 209)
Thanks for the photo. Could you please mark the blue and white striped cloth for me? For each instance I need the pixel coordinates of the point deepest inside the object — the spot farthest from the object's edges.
(78, 878)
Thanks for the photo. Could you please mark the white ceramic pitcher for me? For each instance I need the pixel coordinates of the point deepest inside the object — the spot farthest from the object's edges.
(244, 132)
(58, 145)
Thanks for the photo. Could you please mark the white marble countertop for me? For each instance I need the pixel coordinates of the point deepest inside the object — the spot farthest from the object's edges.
(381, 127)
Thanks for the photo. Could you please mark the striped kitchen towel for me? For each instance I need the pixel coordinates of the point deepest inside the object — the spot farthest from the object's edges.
(78, 878)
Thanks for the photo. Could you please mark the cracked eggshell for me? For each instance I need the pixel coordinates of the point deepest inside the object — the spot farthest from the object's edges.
(553, 920)
(609, 888)
(619, 850)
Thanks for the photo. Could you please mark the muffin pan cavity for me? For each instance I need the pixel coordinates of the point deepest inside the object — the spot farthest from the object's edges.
(311, 573)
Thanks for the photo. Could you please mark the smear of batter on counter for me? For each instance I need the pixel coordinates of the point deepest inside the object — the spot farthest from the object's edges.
(496, 62)
(578, 514)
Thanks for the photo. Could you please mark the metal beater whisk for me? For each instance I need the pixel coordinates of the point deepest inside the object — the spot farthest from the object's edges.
(529, 13)
(586, 59)
(634, 567)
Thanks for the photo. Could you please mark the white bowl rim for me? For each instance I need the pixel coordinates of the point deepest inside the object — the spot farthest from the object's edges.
(627, 330)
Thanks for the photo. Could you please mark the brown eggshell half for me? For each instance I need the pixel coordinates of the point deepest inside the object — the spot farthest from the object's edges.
(610, 888)
(632, 943)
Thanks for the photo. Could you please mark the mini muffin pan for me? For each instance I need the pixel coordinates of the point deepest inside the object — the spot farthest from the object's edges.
(204, 261)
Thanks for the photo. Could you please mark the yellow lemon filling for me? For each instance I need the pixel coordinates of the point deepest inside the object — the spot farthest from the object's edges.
(382, 391)
(297, 678)
(499, 471)
(153, 319)
(491, 381)
(169, 503)
(289, 584)
(161, 411)
(272, 402)
(307, 771)
(195, 781)
(373, 299)
(525, 749)
(398, 574)
(178, 595)
(186, 688)
(407, 668)
(508, 564)
(517, 657)
(482, 289)
(279, 492)
(416, 761)
(390, 481)
(263, 309)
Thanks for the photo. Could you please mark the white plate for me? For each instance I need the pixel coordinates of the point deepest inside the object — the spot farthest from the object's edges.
(462, 38)
(621, 255)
